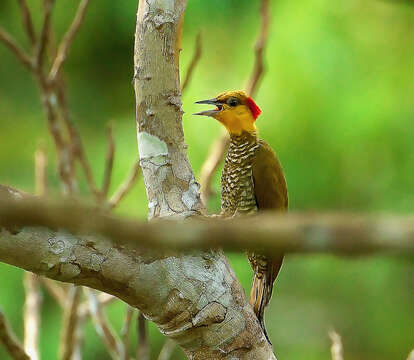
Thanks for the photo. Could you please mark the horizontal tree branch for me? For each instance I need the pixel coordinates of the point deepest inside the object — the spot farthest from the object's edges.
(269, 232)
(198, 297)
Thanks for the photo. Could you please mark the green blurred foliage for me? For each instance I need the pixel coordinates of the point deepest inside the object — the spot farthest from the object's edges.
(338, 107)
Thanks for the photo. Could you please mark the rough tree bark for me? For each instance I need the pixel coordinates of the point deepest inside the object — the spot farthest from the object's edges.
(194, 299)
(210, 317)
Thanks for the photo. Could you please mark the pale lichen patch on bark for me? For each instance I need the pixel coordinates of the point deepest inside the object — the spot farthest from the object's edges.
(150, 146)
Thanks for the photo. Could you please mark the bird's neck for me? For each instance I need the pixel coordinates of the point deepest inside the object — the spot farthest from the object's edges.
(242, 147)
(244, 138)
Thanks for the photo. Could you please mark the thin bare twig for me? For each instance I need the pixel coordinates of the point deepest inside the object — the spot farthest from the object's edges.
(411, 355)
(125, 332)
(104, 300)
(15, 48)
(10, 341)
(40, 170)
(32, 315)
(261, 42)
(70, 323)
(44, 33)
(57, 291)
(27, 21)
(102, 326)
(109, 165)
(210, 165)
(76, 145)
(79, 338)
(143, 350)
(336, 347)
(219, 148)
(63, 150)
(64, 155)
(194, 61)
(32, 306)
(125, 187)
(167, 350)
(68, 40)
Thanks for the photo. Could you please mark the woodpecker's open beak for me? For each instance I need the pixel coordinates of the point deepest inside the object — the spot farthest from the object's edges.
(210, 112)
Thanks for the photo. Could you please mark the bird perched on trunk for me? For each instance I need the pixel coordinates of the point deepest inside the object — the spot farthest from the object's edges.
(252, 180)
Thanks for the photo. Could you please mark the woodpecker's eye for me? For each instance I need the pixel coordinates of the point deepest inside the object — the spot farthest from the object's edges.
(232, 102)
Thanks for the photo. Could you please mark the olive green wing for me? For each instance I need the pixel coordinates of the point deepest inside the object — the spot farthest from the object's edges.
(270, 187)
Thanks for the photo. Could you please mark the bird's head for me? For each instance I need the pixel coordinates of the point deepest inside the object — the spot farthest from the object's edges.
(235, 110)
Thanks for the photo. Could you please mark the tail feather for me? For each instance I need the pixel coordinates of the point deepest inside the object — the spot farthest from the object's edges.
(261, 291)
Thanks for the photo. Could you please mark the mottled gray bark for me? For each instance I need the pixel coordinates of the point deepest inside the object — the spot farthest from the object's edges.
(194, 299)
(203, 306)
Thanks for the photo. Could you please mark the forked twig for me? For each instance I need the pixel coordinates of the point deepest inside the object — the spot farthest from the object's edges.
(64, 47)
(10, 341)
(125, 187)
(70, 323)
(167, 350)
(44, 34)
(336, 347)
(219, 148)
(194, 61)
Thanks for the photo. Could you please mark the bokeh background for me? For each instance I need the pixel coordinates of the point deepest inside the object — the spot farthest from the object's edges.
(338, 106)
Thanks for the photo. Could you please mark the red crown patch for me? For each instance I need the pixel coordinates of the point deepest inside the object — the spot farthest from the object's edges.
(253, 107)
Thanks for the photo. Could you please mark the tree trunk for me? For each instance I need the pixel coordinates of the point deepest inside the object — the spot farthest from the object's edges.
(204, 308)
(194, 299)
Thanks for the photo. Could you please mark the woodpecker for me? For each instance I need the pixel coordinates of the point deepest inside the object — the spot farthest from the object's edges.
(252, 180)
